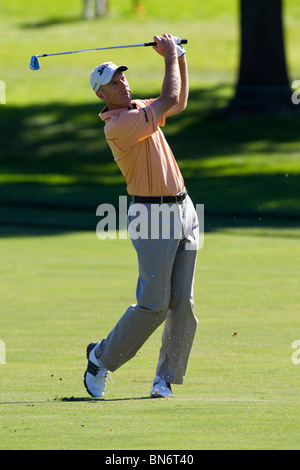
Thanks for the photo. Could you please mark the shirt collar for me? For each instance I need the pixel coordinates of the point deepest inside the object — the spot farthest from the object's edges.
(107, 114)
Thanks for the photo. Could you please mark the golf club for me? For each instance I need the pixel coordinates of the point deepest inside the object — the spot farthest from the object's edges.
(34, 62)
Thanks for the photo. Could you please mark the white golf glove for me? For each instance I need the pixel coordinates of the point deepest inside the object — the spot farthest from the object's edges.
(180, 49)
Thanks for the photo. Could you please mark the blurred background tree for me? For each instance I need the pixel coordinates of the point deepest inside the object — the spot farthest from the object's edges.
(263, 83)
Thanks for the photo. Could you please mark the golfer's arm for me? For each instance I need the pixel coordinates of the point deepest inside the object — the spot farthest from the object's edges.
(184, 90)
(170, 91)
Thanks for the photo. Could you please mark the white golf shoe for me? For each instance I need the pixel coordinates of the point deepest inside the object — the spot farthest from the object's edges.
(96, 374)
(161, 388)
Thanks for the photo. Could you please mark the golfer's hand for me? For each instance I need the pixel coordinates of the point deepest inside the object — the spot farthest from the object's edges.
(165, 45)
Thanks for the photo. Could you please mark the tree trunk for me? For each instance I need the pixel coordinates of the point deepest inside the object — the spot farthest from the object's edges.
(263, 83)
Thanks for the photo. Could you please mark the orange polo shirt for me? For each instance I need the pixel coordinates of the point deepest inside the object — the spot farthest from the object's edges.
(141, 150)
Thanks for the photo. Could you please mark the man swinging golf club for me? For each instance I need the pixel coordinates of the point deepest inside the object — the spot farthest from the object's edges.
(166, 264)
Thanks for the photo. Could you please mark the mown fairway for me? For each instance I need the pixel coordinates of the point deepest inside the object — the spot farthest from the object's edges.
(61, 287)
(60, 292)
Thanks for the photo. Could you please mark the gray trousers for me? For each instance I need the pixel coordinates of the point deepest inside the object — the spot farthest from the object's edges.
(164, 290)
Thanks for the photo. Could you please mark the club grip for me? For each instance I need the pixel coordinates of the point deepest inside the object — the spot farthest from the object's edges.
(182, 41)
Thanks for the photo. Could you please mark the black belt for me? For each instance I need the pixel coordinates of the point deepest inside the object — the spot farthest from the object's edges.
(159, 199)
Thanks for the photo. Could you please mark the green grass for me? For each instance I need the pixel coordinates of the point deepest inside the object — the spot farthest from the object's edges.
(53, 149)
(61, 287)
(58, 28)
(56, 155)
(213, 51)
(241, 392)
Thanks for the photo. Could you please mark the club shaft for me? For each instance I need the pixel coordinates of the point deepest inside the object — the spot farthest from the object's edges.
(183, 41)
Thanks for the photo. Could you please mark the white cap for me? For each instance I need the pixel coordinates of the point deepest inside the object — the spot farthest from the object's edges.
(104, 73)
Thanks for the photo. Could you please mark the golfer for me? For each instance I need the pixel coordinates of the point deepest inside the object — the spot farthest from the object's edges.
(166, 263)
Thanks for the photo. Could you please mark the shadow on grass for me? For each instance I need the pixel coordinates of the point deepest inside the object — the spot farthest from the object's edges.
(56, 167)
(91, 399)
(51, 22)
(73, 400)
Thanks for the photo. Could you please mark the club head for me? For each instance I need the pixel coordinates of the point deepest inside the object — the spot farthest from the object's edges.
(34, 63)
